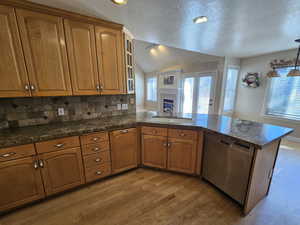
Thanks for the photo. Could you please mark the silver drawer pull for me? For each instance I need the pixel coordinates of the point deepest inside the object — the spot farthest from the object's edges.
(182, 134)
(124, 131)
(98, 160)
(6, 155)
(95, 139)
(60, 145)
(98, 173)
(96, 149)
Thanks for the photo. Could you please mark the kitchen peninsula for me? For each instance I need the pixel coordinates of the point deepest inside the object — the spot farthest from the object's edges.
(103, 147)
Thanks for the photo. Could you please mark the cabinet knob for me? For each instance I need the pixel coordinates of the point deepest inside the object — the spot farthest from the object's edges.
(98, 173)
(98, 160)
(95, 139)
(32, 87)
(59, 145)
(124, 131)
(35, 165)
(27, 87)
(96, 149)
(41, 163)
(98, 87)
(182, 134)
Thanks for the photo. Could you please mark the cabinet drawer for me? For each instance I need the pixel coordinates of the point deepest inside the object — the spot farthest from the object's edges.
(58, 144)
(94, 138)
(183, 134)
(98, 172)
(16, 152)
(94, 148)
(96, 159)
(154, 131)
(125, 131)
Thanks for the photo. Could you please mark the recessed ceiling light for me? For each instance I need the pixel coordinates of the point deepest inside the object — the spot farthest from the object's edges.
(200, 19)
(120, 2)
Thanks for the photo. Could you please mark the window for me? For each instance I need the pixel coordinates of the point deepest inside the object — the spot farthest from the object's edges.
(230, 89)
(152, 89)
(283, 99)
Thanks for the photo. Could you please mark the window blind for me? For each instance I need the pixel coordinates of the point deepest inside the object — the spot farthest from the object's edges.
(284, 96)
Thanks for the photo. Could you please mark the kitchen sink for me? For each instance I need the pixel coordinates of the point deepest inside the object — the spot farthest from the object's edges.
(171, 119)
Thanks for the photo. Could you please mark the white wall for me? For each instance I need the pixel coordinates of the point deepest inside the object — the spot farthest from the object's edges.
(250, 100)
(139, 84)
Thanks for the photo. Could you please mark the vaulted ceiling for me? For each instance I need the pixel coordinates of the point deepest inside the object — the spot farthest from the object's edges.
(155, 58)
(236, 28)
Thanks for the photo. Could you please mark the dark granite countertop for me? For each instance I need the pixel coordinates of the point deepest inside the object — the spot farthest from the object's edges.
(254, 133)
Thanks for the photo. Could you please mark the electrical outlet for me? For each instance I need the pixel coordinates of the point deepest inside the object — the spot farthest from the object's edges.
(124, 106)
(61, 111)
(132, 100)
(119, 106)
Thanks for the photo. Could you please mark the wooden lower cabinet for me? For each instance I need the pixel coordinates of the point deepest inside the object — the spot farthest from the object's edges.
(154, 151)
(182, 155)
(172, 149)
(61, 170)
(123, 149)
(21, 182)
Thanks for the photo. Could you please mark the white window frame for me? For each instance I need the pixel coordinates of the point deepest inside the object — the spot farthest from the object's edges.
(146, 80)
(265, 103)
(224, 89)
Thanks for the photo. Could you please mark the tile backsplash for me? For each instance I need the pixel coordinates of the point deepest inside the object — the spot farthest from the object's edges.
(21, 112)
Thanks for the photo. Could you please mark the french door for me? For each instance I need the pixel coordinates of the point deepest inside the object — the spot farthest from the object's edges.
(198, 94)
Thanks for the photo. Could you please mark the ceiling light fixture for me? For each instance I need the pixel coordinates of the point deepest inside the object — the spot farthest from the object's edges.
(200, 19)
(120, 2)
(273, 73)
(295, 72)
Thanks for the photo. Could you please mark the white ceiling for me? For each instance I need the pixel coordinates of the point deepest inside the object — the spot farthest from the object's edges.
(236, 28)
(163, 57)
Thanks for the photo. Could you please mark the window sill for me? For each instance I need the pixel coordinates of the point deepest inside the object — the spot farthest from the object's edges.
(282, 119)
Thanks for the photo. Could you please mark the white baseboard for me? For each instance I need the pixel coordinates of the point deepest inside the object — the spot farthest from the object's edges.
(291, 138)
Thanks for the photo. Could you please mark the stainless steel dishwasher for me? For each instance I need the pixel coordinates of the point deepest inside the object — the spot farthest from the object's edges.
(227, 164)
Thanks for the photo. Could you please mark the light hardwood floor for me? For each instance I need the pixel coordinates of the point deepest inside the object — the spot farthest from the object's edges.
(151, 197)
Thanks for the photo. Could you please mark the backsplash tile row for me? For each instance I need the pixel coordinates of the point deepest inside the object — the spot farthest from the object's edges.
(21, 112)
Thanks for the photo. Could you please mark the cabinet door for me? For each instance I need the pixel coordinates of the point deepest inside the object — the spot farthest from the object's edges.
(154, 151)
(21, 183)
(62, 170)
(110, 60)
(45, 53)
(82, 57)
(123, 149)
(13, 74)
(182, 155)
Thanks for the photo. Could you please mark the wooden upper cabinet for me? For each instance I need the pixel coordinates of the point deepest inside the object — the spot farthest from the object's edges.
(21, 183)
(62, 170)
(45, 53)
(123, 149)
(182, 155)
(154, 151)
(81, 47)
(109, 43)
(13, 74)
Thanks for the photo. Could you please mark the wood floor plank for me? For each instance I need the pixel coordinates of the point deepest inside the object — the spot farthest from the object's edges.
(153, 197)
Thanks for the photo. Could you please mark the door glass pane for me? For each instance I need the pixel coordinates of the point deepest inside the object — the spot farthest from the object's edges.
(205, 84)
(188, 93)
